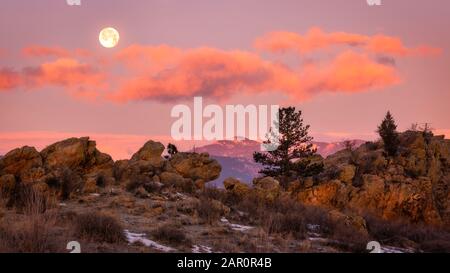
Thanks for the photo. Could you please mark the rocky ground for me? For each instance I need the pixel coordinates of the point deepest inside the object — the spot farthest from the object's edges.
(70, 191)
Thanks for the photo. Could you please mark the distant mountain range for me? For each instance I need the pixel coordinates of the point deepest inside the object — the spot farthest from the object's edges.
(236, 157)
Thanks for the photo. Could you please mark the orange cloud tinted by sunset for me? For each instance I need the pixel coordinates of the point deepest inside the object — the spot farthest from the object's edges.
(316, 39)
(168, 73)
(9, 79)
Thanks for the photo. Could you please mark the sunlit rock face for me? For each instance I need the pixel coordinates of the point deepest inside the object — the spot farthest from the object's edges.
(414, 185)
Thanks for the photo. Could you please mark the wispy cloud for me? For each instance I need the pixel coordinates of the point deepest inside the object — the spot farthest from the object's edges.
(317, 39)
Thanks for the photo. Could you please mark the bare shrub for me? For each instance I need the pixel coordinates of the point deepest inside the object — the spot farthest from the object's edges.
(99, 227)
(35, 234)
(29, 200)
(429, 238)
(207, 211)
(171, 234)
(288, 223)
(349, 239)
(283, 215)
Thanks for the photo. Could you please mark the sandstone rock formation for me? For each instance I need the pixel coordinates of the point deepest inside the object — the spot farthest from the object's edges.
(75, 165)
(196, 166)
(414, 185)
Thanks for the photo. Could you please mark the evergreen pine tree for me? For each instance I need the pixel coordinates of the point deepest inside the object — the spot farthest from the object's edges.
(388, 133)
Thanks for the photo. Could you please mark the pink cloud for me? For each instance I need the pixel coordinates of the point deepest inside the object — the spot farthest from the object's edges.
(166, 73)
(9, 79)
(219, 74)
(78, 78)
(316, 39)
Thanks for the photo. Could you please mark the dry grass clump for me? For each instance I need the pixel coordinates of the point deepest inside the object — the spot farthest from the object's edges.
(34, 230)
(208, 210)
(99, 227)
(171, 234)
(401, 232)
(35, 234)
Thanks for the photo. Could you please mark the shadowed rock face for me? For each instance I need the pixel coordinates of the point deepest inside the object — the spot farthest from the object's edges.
(415, 184)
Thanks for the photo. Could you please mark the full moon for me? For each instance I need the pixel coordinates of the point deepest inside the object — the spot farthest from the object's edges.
(109, 37)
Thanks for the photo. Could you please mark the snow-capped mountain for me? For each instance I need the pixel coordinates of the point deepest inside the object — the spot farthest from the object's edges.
(236, 156)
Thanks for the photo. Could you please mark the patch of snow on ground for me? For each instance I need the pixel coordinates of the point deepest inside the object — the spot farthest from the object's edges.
(313, 228)
(236, 227)
(240, 227)
(140, 237)
(392, 249)
(201, 249)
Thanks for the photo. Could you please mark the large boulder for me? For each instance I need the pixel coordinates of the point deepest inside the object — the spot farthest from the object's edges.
(71, 153)
(150, 151)
(20, 160)
(77, 154)
(63, 167)
(267, 188)
(236, 187)
(196, 166)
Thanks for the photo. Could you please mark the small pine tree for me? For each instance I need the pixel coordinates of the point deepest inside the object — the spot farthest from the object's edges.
(292, 156)
(388, 133)
(172, 149)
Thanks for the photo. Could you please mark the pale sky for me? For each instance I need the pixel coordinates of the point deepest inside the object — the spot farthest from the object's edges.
(343, 63)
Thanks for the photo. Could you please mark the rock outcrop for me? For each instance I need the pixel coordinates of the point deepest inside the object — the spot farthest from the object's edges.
(75, 165)
(65, 166)
(414, 185)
